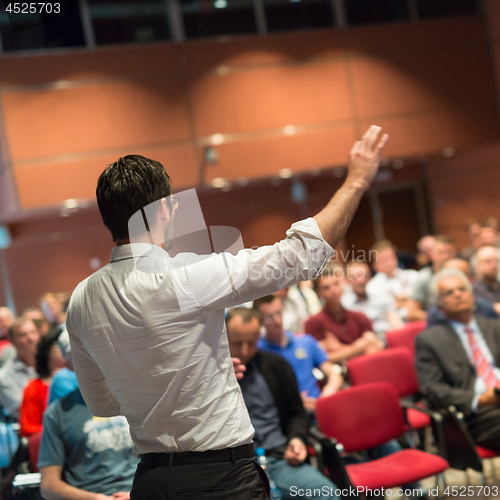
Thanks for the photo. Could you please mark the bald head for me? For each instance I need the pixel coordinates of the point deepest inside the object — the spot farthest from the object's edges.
(6, 320)
(460, 264)
(487, 263)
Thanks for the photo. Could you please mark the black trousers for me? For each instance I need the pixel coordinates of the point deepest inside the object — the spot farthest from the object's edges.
(243, 479)
(484, 428)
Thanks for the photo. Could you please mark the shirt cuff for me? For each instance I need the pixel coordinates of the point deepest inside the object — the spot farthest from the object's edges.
(475, 402)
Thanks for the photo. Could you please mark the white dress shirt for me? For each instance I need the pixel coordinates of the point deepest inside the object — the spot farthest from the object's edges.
(480, 385)
(14, 377)
(399, 284)
(375, 307)
(140, 351)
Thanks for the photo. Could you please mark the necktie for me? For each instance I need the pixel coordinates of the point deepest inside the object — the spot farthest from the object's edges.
(484, 369)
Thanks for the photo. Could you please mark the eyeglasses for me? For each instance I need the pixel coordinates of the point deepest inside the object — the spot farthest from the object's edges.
(270, 317)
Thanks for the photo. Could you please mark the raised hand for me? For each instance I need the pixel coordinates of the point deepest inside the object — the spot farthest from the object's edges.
(364, 158)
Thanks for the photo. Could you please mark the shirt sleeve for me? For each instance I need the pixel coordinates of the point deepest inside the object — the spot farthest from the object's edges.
(319, 354)
(91, 381)
(315, 328)
(52, 449)
(11, 395)
(475, 402)
(419, 291)
(62, 384)
(218, 281)
(366, 324)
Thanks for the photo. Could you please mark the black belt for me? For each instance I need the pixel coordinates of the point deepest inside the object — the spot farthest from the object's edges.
(198, 457)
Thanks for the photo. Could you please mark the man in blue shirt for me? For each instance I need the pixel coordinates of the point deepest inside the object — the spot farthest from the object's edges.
(95, 454)
(302, 352)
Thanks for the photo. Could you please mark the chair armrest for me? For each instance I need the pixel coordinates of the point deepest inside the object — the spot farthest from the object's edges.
(331, 458)
(406, 405)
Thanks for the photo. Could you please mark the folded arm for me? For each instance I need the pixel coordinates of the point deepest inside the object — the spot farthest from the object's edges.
(53, 487)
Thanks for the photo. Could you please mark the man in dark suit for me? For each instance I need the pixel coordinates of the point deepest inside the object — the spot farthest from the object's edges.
(457, 359)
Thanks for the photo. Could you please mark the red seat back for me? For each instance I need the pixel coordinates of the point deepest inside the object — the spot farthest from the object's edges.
(405, 337)
(361, 417)
(3, 344)
(391, 365)
(34, 442)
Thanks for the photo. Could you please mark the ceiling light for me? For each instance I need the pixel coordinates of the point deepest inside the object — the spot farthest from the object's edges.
(285, 173)
(218, 182)
(217, 139)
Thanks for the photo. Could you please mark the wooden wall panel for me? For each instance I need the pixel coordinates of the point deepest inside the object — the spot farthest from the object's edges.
(104, 63)
(57, 265)
(51, 183)
(430, 133)
(422, 81)
(465, 186)
(273, 97)
(429, 83)
(52, 122)
(283, 48)
(265, 156)
(429, 35)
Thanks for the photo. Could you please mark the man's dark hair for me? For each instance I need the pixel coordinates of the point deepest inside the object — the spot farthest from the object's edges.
(244, 313)
(267, 299)
(126, 186)
(43, 350)
(329, 270)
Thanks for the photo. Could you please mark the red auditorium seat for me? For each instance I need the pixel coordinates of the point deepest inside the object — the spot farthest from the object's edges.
(396, 367)
(34, 442)
(405, 337)
(363, 417)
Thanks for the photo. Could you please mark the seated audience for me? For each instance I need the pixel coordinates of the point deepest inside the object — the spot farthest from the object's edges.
(457, 360)
(33, 313)
(7, 350)
(377, 307)
(424, 254)
(272, 397)
(48, 361)
(482, 307)
(294, 309)
(443, 250)
(64, 381)
(473, 229)
(6, 320)
(343, 334)
(93, 455)
(487, 285)
(389, 280)
(16, 373)
(53, 305)
(303, 292)
(43, 326)
(301, 351)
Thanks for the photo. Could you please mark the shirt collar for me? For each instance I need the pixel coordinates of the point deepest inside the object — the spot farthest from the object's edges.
(330, 314)
(20, 366)
(460, 327)
(146, 257)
